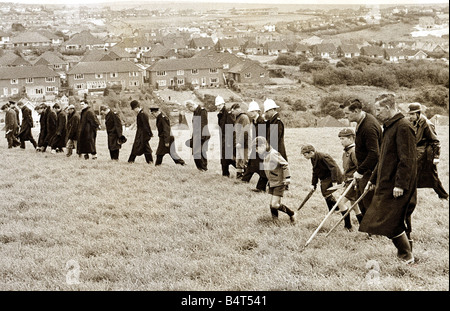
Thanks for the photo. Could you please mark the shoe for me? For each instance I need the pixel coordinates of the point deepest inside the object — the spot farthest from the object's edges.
(94, 157)
(292, 218)
(257, 190)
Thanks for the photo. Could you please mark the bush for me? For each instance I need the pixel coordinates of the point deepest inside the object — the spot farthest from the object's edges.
(313, 66)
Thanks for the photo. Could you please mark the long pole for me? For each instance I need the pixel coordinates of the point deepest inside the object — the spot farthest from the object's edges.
(330, 212)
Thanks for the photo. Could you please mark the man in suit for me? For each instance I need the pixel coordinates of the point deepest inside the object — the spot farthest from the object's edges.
(10, 126)
(200, 135)
(166, 143)
(226, 123)
(113, 126)
(141, 145)
(27, 124)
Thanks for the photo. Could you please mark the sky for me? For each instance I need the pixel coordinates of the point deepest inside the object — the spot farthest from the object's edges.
(393, 2)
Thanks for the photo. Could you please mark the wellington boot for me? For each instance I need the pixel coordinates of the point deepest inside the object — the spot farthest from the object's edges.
(403, 248)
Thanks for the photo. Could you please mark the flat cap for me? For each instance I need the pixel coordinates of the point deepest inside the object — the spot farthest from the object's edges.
(346, 132)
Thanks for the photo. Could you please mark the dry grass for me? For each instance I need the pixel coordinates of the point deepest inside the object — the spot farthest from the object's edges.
(137, 227)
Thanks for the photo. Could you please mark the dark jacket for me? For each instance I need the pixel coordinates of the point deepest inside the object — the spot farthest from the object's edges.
(11, 124)
(164, 134)
(59, 139)
(396, 168)
(52, 120)
(141, 143)
(87, 132)
(199, 129)
(242, 128)
(113, 129)
(367, 144)
(73, 123)
(258, 128)
(325, 167)
(42, 141)
(27, 124)
(275, 125)
(428, 148)
(227, 141)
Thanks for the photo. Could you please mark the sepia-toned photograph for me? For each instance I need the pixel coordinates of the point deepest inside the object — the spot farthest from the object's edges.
(224, 150)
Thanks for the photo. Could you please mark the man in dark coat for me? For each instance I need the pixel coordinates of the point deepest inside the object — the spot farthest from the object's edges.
(141, 145)
(200, 135)
(166, 144)
(226, 124)
(275, 127)
(258, 128)
(367, 148)
(394, 181)
(43, 111)
(13, 105)
(52, 123)
(27, 124)
(87, 132)
(10, 126)
(113, 126)
(59, 139)
(428, 151)
(241, 129)
(73, 122)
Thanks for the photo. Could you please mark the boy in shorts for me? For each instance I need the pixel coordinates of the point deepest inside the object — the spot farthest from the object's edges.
(277, 171)
(347, 138)
(328, 172)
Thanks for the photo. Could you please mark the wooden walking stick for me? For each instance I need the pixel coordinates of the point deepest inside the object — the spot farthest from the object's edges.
(310, 193)
(348, 211)
(330, 212)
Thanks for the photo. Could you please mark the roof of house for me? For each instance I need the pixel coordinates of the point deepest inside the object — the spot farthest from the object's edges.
(324, 47)
(411, 52)
(372, 50)
(103, 67)
(299, 47)
(48, 34)
(184, 64)
(349, 48)
(226, 58)
(394, 52)
(96, 56)
(245, 65)
(12, 59)
(134, 42)
(3, 34)
(228, 43)
(174, 42)
(29, 37)
(199, 42)
(50, 58)
(157, 50)
(84, 38)
(120, 52)
(40, 71)
(312, 40)
(275, 45)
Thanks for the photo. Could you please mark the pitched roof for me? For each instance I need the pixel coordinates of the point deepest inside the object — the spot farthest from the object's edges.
(12, 59)
(349, 48)
(394, 52)
(157, 51)
(372, 50)
(133, 42)
(276, 45)
(244, 65)
(184, 64)
(40, 71)
(96, 56)
(228, 43)
(198, 42)
(48, 34)
(50, 58)
(174, 43)
(120, 52)
(325, 47)
(84, 38)
(29, 37)
(103, 67)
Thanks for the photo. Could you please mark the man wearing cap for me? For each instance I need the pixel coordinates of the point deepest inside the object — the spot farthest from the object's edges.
(367, 147)
(242, 128)
(258, 128)
(43, 110)
(113, 126)
(87, 132)
(73, 122)
(428, 151)
(275, 127)
(10, 126)
(393, 181)
(200, 135)
(59, 139)
(226, 124)
(27, 124)
(141, 145)
(166, 144)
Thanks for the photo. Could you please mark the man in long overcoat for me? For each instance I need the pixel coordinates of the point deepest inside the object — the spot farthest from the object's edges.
(227, 146)
(141, 145)
(200, 135)
(10, 126)
(113, 126)
(254, 165)
(73, 122)
(59, 139)
(275, 127)
(367, 148)
(394, 181)
(166, 144)
(27, 124)
(428, 151)
(43, 111)
(87, 132)
(242, 128)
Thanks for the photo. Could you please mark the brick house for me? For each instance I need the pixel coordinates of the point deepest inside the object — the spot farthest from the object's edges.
(229, 45)
(88, 77)
(53, 61)
(251, 47)
(248, 71)
(29, 40)
(36, 81)
(200, 71)
(394, 55)
(83, 41)
(324, 50)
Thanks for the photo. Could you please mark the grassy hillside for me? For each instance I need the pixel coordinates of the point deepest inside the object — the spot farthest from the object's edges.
(137, 227)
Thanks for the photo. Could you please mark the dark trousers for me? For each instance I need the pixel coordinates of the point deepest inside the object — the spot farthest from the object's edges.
(148, 158)
(226, 166)
(201, 164)
(12, 140)
(114, 154)
(360, 185)
(175, 158)
(254, 168)
(32, 141)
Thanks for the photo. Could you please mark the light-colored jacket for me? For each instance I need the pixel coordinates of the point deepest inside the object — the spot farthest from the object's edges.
(276, 168)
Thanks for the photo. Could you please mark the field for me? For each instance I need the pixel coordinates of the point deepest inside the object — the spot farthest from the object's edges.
(75, 224)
